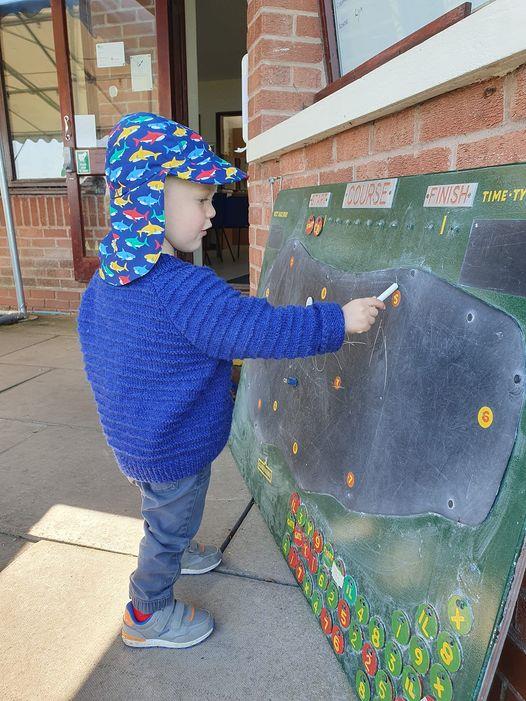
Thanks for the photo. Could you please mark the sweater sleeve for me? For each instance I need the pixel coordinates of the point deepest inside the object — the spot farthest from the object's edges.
(225, 324)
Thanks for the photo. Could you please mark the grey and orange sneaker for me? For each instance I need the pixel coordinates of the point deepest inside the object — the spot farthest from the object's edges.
(198, 559)
(178, 625)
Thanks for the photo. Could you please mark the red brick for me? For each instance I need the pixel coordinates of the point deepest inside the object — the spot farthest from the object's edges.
(275, 23)
(262, 122)
(281, 100)
(512, 666)
(352, 143)
(311, 78)
(269, 169)
(68, 295)
(308, 26)
(256, 256)
(494, 150)
(394, 131)
(255, 215)
(371, 170)
(287, 51)
(292, 162)
(463, 111)
(273, 75)
(319, 155)
(299, 181)
(518, 98)
(35, 215)
(430, 161)
(342, 175)
(297, 5)
(258, 237)
(137, 29)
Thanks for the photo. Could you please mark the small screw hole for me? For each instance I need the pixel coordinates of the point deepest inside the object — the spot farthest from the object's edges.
(517, 379)
(451, 503)
(470, 317)
(413, 273)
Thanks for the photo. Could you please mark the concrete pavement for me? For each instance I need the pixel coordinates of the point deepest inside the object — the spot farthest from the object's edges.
(69, 534)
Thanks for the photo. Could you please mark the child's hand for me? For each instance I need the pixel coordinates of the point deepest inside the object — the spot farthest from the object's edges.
(360, 314)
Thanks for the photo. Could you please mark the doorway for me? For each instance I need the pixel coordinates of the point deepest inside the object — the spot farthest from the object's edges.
(113, 58)
(216, 43)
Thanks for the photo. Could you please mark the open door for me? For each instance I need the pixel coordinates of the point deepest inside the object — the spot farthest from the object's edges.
(113, 58)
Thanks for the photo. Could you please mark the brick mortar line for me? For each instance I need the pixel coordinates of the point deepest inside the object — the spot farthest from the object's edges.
(458, 140)
(280, 11)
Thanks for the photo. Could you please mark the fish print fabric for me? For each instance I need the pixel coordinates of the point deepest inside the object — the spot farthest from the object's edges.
(143, 149)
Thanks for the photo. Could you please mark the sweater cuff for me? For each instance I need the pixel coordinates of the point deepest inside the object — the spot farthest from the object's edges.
(332, 326)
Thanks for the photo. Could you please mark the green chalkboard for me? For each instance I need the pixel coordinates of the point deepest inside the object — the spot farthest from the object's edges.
(392, 474)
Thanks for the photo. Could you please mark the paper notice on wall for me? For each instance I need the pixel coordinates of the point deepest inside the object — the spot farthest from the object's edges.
(85, 131)
(110, 54)
(141, 72)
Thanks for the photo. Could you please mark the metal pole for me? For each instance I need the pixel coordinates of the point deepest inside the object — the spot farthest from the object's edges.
(11, 238)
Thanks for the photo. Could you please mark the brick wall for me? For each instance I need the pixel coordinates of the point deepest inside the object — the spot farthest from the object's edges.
(42, 222)
(480, 125)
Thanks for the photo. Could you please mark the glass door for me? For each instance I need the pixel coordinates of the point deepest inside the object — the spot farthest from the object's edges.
(112, 58)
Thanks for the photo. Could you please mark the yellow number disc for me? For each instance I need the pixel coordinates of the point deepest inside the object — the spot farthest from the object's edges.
(485, 417)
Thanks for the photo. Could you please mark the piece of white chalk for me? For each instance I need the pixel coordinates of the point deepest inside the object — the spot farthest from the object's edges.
(389, 291)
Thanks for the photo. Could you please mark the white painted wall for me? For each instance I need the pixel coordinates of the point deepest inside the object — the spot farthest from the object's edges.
(217, 96)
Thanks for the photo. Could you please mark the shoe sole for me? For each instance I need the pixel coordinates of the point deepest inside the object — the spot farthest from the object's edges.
(206, 569)
(134, 641)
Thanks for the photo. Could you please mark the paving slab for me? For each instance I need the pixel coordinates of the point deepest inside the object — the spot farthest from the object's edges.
(10, 547)
(62, 483)
(57, 397)
(48, 596)
(14, 432)
(13, 341)
(57, 352)
(253, 552)
(11, 375)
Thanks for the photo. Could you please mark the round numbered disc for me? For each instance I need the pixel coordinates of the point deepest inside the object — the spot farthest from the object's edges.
(401, 627)
(426, 622)
(440, 683)
(419, 655)
(460, 615)
(449, 652)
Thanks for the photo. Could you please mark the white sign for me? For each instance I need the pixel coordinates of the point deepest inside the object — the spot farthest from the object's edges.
(319, 199)
(110, 54)
(370, 194)
(85, 131)
(141, 72)
(454, 195)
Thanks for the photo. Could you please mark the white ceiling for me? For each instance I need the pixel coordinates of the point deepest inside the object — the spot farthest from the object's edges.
(221, 38)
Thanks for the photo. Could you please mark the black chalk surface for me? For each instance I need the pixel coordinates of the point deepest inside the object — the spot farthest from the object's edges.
(402, 406)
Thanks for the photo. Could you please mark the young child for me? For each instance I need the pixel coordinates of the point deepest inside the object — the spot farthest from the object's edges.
(158, 336)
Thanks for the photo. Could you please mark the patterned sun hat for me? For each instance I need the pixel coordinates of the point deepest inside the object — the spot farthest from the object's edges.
(143, 149)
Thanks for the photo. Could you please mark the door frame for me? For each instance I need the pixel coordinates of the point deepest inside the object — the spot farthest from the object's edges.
(173, 104)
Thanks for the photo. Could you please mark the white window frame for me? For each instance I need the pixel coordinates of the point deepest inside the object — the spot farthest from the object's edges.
(490, 42)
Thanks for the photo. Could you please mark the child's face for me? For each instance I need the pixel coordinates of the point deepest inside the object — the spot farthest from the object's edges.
(188, 209)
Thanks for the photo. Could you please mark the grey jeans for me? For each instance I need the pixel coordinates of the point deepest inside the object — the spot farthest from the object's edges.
(172, 513)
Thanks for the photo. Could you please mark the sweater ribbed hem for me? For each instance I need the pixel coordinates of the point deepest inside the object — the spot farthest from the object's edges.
(171, 469)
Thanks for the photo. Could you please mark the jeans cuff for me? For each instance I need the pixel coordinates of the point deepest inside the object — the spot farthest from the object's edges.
(151, 606)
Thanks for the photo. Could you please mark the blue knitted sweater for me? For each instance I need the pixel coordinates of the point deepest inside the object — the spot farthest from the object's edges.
(158, 353)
